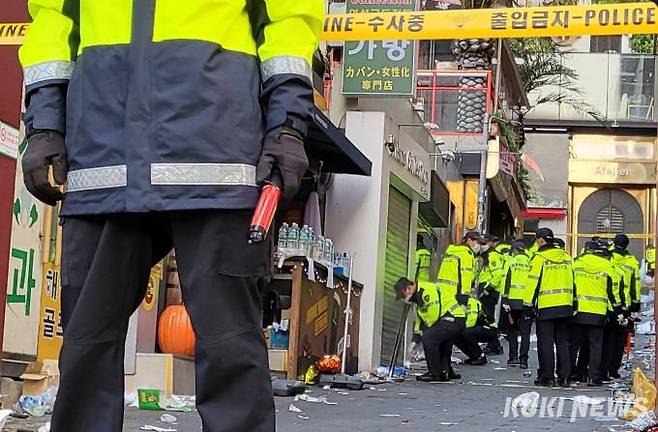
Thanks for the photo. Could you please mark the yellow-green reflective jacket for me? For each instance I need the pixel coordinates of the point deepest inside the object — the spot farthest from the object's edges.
(474, 310)
(457, 272)
(493, 272)
(651, 258)
(423, 261)
(434, 304)
(597, 288)
(516, 277)
(550, 286)
(629, 267)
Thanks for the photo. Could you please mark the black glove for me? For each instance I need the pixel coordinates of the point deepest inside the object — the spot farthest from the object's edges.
(283, 148)
(417, 338)
(45, 149)
(528, 313)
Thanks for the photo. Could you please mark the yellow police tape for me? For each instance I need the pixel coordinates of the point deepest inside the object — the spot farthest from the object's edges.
(611, 19)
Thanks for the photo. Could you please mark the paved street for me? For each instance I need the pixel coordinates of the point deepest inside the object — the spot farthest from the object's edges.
(476, 403)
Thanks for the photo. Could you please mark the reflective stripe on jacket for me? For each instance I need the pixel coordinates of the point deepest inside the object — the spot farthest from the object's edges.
(550, 285)
(597, 287)
(164, 108)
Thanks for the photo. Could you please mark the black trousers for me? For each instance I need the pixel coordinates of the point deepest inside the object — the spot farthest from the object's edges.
(105, 267)
(468, 341)
(438, 341)
(614, 342)
(554, 333)
(586, 350)
(522, 327)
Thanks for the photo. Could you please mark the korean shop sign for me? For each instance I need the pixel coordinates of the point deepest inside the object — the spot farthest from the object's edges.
(381, 67)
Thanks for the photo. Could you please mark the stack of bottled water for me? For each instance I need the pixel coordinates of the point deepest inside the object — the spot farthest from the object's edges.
(296, 241)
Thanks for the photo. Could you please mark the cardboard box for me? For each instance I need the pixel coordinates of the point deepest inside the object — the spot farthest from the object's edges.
(40, 376)
(278, 360)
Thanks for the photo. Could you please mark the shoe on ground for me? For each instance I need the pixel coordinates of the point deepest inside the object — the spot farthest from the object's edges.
(578, 378)
(594, 383)
(614, 375)
(481, 361)
(544, 382)
(428, 378)
(513, 362)
(563, 383)
(452, 375)
(523, 365)
(468, 362)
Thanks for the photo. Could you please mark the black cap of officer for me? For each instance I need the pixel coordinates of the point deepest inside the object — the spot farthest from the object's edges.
(559, 243)
(518, 245)
(491, 238)
(546, 234)
(473, 235)
(621, 241)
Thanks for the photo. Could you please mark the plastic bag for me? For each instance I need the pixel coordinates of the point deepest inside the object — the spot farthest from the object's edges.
(645, 395)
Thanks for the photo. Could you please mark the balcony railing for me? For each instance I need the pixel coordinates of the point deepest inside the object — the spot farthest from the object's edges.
(619, 87)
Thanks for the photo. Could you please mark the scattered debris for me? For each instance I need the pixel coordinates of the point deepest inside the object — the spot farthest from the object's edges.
(647, 328)
(39, 405)
(606, 419)
(456, 360)
(500, 368)
(447, 424)
(43, 428)
(389, 415)
(527, 374)
(303, 417)
(157, 429)
(326, 387)
(586, 400)
(293, 409)
(494, 361)
(643, 421)
(168, 418)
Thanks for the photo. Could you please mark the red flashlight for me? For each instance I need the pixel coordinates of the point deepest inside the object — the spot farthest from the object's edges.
(266, 208)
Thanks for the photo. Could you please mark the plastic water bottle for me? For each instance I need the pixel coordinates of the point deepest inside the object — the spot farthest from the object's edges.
(293, 239)
(318, 248)
(304, 239)
(328, 251)
(283, 239)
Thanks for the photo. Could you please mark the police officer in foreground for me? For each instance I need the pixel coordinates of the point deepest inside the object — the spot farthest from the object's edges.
(457, 272)
(516, 276)
(598, 291)
(439, 320)
(163, 117)
(479, 329)
(550, 296)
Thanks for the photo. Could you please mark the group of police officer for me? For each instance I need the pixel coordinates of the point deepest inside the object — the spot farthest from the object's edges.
(582, 308)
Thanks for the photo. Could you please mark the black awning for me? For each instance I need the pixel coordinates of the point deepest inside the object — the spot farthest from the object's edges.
(326, 143)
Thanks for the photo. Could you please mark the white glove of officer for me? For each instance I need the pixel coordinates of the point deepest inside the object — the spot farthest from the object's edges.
(506, 307)
(621, 320)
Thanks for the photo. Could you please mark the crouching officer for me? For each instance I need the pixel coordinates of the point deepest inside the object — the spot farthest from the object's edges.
(597, 288)
(550, 292)
(479, 329)
(439, 319)
(516, 276)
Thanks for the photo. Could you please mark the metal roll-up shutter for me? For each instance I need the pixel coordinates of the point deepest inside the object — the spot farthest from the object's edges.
(396, 266)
